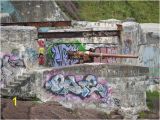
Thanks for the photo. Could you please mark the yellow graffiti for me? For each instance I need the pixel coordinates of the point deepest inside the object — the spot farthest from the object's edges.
(41, 50)
(14, 101)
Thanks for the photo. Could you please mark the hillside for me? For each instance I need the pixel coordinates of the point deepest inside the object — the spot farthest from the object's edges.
(142, 11)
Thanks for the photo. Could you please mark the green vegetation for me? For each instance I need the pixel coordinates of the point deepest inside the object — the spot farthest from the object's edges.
(151, 98)
(142, 114)
(142, 11)
(153, 105)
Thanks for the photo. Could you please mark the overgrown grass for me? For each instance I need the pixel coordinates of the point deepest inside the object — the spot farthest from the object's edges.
(142, 11)
(153, 105)
(151, 98)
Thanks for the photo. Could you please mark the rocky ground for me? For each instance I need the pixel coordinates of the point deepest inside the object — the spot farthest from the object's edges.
(49, 110)
(54, 110)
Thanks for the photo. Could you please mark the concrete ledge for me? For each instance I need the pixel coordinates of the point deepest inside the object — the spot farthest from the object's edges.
(110, 70)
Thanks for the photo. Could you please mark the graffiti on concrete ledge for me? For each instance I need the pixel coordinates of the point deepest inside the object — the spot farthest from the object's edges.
(64, 85)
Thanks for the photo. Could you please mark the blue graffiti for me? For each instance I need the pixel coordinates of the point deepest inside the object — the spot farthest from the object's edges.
(32, 55)
(61, 85)
(60, 55)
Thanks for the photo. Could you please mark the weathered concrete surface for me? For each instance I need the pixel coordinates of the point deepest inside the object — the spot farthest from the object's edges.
(149, 51)
(18, 52)
(33, 11)
(125, 85)
(25, 35)
(5, 17)
(22, 39)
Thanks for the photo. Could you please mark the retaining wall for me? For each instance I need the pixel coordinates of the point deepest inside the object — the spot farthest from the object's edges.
(98, 86)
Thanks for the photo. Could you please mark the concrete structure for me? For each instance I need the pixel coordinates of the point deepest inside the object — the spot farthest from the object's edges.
(100, 86)
(149, 50)
(18, 52)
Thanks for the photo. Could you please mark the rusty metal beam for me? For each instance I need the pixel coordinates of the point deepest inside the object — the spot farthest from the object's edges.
(92, 54)
(79, 34)
(40, 24)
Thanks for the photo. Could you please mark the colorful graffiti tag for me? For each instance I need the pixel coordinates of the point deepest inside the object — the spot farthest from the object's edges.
(60, 56)
(57, 52)
(10, 66)
(84, 88)
(41, 58)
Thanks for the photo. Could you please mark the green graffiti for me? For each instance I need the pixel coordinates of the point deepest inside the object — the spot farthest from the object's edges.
(76, 43)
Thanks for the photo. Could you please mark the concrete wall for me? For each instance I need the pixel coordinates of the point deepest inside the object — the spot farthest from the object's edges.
(18, 51)
(149, 51)
(98, 86)
(5, 17)
(28, 11)
(130, 38)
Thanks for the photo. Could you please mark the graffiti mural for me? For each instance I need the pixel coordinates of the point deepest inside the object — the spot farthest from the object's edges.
(83, 87)
(10, 66)
(59, 54)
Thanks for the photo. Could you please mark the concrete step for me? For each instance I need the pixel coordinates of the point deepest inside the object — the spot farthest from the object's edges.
(11, 86)
(5, 90)
(22, 77)
(16, 83)
(27, 74)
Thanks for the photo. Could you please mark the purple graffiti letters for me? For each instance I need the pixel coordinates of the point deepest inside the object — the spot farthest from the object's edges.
(13, 61)
(60, 56)
(61, 85)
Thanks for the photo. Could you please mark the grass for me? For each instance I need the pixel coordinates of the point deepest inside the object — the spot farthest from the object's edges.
(151, 97)
(152, 103)
(142, 11)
